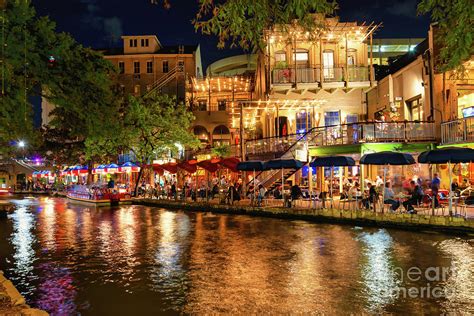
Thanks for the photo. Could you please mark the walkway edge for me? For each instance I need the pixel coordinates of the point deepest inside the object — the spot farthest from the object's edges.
(12, 302)
(417, 222)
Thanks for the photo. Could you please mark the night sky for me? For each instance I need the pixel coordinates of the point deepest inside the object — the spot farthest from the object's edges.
(100, 23)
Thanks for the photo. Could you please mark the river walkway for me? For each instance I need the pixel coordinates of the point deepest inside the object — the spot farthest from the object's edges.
(418, 222)
(12, 302)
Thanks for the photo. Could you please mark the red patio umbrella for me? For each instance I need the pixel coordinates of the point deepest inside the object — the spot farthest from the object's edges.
(187, 166)
(209, 165)
(230, 163)
(171, 167)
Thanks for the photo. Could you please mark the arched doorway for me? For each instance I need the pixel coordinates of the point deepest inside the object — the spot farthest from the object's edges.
(201, 133)
(221, 136)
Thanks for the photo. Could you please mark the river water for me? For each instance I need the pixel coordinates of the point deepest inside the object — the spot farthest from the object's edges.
(134, 260)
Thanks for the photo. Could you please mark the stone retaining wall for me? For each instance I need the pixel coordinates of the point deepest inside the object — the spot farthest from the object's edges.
(456, 225)
(12, 302)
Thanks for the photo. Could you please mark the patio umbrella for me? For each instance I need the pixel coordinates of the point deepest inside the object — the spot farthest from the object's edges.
(230, 163)
(129, 167)
(210, 165)
(100, 169)
(447, 155)
(112, 168)
(251, 165)
(171, 167)
(79, 170)
(283, 164)
(187, 166)
(387, 158)
(331, 161)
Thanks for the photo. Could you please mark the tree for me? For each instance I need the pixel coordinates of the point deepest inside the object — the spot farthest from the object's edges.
(152, 127)
(244, 22)
(454, 32)
(38, 61)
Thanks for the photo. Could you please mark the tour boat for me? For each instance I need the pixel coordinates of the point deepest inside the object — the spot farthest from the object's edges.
(100, 197)
(4, 191)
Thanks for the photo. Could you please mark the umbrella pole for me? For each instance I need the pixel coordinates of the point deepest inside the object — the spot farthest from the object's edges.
(254, 187)
(383, 186)
(432, 195)
(450, 190)
(330, 187)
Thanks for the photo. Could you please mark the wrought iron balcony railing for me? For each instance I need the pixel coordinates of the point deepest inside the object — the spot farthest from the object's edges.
(312, 74)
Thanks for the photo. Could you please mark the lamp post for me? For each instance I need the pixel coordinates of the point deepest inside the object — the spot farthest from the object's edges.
(21, 145)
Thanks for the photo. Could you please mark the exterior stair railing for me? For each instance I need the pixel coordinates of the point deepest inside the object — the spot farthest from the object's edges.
(162, 81)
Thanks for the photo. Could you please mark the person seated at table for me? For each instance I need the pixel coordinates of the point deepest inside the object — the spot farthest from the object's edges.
(415, 198)
(465, 187)
(261, 194)
(372, 197)
(354, 191)
(389, 197)
(277, 193)
(455, 187)
(295, 192)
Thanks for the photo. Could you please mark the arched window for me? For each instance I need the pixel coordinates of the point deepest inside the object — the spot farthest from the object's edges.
(221, 130)
(351, 57)
(201, 133)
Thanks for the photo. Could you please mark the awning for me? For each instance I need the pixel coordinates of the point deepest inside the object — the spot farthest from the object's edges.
(230, 163)
(112, 168)
(188, 166)
(129, 167)
(209, 165)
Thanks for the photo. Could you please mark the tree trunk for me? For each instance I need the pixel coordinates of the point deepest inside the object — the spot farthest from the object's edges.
(140, 174)
(90, 164)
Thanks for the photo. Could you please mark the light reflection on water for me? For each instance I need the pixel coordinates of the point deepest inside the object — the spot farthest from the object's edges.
(71, 259)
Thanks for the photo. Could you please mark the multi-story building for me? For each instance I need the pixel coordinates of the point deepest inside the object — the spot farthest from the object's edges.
(146, 65)
(386, 49)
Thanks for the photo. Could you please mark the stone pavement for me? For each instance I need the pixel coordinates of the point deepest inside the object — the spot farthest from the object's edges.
(12, 303)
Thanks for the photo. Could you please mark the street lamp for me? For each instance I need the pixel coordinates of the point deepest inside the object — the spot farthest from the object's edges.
(21, 144)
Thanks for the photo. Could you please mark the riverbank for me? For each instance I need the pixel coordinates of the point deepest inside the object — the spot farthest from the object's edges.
(12, 302)
(417, 222)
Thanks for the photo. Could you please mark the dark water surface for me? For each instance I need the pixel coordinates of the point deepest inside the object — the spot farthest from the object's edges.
(134, 260)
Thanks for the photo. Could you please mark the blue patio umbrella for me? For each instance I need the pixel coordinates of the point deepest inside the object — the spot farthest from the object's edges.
(251, 165)
(283, 164)
(447, 155)
(387, 158)
(331, 161)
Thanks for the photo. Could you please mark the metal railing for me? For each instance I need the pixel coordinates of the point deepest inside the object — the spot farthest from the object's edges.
(345, 134)
(457, 131)
(312, 74)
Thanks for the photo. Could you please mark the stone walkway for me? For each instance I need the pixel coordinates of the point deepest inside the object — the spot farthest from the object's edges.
(12, 303)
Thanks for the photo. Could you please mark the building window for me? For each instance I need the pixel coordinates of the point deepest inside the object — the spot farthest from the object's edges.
(136, 89)
(221, 105)
(165, 66)
(121, 65)
(136, 67)
(351, 57)
(303, 122)
(301, 55)
(180, 66)
(328, 63)
(146, 42)
(280, 58)
(149, 67)
(415, 109)
(133, 43)
(202, 105)
(332, 118)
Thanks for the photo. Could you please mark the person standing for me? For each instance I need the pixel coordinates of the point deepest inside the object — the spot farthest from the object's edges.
(435, 186)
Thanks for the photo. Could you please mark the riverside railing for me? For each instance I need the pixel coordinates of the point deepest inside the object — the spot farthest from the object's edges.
(345, 134)
(457, 131)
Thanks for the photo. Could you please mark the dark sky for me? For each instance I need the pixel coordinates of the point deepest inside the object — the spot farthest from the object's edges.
(100, 23)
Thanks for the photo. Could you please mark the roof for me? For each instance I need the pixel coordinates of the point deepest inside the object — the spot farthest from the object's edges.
(173, 49)
(408, 58)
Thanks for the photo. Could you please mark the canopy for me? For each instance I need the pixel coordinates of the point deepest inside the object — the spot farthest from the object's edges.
(387, 158)
(283, 164)
(445, 155)
(79, 170)
(171, 167)
(99, 169)
(251, 165)
(187, 166)
(209, 165)
(112, 168)
(331, 161)
(129, 167)
(230, 163)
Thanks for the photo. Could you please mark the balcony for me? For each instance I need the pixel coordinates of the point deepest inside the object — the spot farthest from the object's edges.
(305, 75)
(346, 134)
(457, 131)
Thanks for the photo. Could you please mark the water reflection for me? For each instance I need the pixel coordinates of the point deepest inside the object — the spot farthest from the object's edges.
(378, 271)
(135, 260)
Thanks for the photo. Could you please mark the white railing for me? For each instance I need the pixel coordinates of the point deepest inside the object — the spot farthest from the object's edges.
(457, 131)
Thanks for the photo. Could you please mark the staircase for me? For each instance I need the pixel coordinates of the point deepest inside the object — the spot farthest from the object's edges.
(272, 178)
(162, 81)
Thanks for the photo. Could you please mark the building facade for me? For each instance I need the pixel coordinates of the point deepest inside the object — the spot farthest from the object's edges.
(145, 65)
